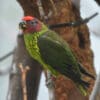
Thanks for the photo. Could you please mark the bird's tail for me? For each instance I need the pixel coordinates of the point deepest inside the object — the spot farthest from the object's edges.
(83, 86)
(85, 72)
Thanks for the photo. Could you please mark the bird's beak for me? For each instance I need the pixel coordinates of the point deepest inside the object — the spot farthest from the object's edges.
(22, 25)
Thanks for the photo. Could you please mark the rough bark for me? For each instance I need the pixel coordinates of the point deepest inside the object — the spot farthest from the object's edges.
(78, 39)
(33, 76)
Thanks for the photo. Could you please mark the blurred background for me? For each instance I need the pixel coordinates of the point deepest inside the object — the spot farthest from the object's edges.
(11, 14)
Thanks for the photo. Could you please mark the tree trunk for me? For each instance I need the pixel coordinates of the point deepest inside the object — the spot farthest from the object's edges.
(33, 75)
(78, 39)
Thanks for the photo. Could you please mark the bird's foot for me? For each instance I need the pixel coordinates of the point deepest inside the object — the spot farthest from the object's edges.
(50, 80)
(49, 83)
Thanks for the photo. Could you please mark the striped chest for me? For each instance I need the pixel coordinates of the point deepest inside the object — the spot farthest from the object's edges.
(31, 45)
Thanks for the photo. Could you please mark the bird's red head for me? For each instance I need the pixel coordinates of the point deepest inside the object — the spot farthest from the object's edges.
(27, 18)
(30, 24)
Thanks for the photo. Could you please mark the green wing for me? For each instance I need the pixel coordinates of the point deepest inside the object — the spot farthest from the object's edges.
(56, 53)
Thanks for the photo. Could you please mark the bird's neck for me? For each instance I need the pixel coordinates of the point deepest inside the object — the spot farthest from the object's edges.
(43, 29)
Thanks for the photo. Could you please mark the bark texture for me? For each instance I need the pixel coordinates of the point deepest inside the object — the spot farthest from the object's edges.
(78, 39)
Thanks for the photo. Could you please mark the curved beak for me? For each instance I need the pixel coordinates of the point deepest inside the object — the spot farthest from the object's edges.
(22, 25)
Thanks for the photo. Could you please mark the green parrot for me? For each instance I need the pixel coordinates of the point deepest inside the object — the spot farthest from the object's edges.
(52, 52)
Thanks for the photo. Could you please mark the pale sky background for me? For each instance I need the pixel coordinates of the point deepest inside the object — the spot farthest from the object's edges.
(11, 13)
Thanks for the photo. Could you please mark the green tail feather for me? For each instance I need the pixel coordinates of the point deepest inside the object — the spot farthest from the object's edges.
(82, 86)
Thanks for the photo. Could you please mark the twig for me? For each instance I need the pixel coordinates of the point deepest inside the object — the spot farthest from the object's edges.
(73, 24)
(7, 55)
(24, 71)
(8, 70)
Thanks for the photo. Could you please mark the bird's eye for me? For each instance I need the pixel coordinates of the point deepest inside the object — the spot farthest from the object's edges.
(33, 23)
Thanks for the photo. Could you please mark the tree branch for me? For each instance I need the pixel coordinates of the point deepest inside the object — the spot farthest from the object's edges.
(24, 71)
(7, 55)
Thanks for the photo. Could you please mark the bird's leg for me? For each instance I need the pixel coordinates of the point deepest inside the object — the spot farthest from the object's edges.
(49, 80)
(50, 86)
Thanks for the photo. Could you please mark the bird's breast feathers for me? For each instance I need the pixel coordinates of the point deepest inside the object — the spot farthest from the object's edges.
(33, 49)
(31, 45)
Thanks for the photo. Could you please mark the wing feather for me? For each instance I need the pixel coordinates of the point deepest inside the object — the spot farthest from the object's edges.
(56, 53)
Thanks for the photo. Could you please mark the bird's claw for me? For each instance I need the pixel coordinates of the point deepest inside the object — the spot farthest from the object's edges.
(49, 83)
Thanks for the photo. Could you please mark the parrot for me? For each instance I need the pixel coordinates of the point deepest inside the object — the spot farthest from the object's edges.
(53, 52)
